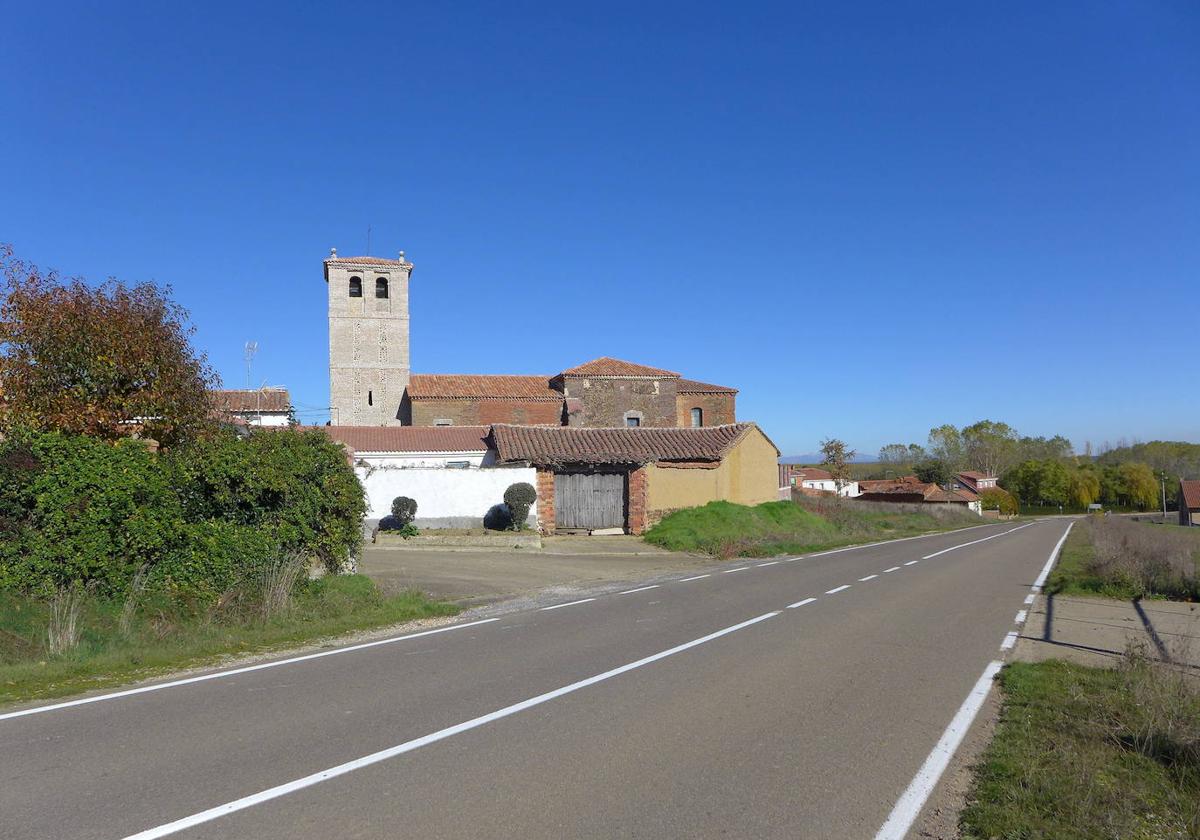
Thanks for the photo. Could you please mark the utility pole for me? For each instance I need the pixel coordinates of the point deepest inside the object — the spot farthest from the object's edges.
(1163, 474)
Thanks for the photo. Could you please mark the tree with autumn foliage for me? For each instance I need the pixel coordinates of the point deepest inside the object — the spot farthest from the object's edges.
(108, 361)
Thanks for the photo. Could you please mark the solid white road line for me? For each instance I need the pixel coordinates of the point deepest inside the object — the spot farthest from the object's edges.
(893, 569)
(890, 542)
(408, 746)
(738, 569)
(800, 603)
(1029, 598)
(867, 578)
(1021, 616)
(568, 604)
(975, 542)
(1010, 641)
(639, 589)
(772, 563)
(697, 577)
(913, 799)
(235, 671)
(912, 562)
(838, 589)
(1045, 573)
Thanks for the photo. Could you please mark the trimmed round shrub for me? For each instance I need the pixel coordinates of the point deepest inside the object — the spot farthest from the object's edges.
(404, 510)
(498, 518)
(519, 497)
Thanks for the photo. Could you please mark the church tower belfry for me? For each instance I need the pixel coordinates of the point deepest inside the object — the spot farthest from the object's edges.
(368, 338)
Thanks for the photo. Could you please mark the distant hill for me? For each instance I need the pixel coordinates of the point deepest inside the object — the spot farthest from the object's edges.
(815, 458)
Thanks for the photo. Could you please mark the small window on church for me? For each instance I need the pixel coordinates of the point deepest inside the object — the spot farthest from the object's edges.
(355, 287)
(370, 398)
(381, 290)
(697, 418)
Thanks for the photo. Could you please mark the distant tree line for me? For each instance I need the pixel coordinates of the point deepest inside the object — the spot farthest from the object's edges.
(1045, 470)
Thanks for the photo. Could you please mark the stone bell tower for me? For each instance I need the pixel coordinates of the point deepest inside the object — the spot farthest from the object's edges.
(368, 338)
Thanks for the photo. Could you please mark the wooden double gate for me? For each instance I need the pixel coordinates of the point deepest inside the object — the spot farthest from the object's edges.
(590, 500)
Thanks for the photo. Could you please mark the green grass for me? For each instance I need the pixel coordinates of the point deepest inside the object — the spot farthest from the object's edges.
(724, 529)
(1071, 575)
(1088, 754)
(164, 636)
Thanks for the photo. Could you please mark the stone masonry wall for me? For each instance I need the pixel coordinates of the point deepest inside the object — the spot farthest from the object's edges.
(480, 412)
(607, 400)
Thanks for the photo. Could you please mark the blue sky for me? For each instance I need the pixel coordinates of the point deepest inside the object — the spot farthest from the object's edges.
(872, 219)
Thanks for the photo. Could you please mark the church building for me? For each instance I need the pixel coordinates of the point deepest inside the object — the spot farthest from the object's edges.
(371, 383)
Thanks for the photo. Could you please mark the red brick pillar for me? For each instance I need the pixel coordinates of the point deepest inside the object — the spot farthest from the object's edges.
(637, 501)
(545, 501)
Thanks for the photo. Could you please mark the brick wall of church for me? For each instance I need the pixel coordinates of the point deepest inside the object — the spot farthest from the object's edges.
(718, 409)
(480, 412)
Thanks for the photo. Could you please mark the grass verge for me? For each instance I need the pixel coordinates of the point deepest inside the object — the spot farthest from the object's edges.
(118, 645)
(1089, 753)
(1121, 558)
(724, 529)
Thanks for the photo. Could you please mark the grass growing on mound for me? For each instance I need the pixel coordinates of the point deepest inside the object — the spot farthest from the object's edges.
(1091, 753)
(724, 529)
(160, 636)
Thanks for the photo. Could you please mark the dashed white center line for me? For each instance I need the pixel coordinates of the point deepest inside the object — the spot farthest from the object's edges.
(867, 578)
(772, 563)
(697, 577)
(1029, 598)
(568, 604)
(731, 571)
(1010, 640)
(800, 603)
(639, 589)
(838, 589)
(912, 562)
(893, 569)
(1021, 616)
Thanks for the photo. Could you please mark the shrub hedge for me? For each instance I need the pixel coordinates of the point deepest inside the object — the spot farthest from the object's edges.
(195, 521)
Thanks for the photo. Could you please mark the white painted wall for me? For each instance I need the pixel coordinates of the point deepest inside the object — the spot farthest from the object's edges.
(263, 418)
(830, 486)
(440, 493)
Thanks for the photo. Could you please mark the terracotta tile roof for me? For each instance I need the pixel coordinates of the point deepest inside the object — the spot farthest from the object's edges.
(813, 474)
(410, 438)
(438, 386)
(241, 402)
(883, 485)
(1189, 492)
(555, 446)
(954, 496)
(606, 366)
(691, 386)
(973, 474)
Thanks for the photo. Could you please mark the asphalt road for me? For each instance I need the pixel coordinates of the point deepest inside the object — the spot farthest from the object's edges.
(701, 707)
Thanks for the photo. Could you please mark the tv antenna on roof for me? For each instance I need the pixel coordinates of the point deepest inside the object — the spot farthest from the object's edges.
(251, 349)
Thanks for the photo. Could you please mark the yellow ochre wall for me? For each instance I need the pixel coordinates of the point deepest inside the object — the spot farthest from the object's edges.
(748, 475)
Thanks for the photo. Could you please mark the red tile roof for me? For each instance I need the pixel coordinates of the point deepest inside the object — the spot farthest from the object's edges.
(243, 402)
(1189, 492)
(952, 496)
(813, 474)
(606, 366)
(691, 386)
(556, 446)
(975, 475)
(885, 485)
(410, 438)
(437, 386)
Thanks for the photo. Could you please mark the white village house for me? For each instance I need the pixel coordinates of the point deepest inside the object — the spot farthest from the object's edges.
(258, 407)
(815, 478)
(449, 471)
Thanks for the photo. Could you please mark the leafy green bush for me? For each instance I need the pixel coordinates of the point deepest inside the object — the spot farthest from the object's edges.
(519, 497)
(404, 509)
(76, 510)
(996, 498)
(82, 510)
(295, 482)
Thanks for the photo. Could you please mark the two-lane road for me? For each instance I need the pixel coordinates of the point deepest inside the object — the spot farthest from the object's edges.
(793, 697)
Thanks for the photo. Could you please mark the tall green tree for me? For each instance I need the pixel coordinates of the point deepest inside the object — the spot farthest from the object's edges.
(946, 445)
(990, 447)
